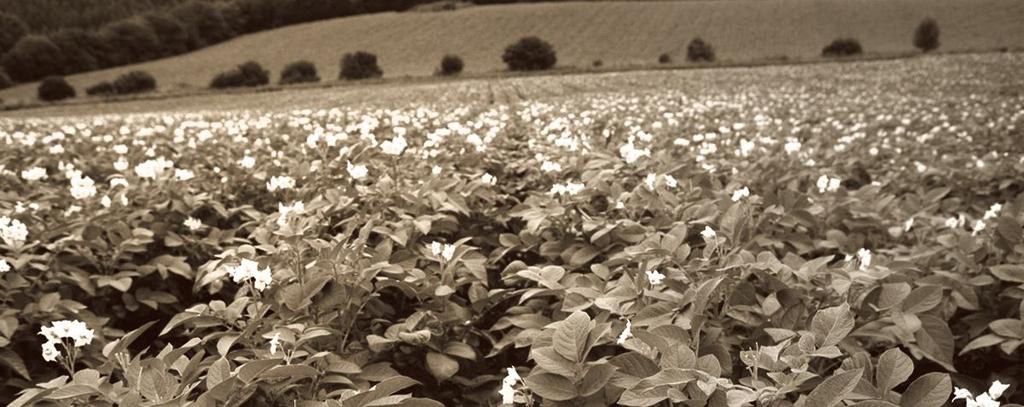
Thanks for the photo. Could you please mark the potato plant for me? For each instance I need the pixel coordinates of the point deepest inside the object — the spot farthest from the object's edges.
(730, 246)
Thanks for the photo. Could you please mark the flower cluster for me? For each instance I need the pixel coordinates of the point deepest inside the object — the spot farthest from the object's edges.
(249, 270)
(12, 231)
(67, 333)
(986, 399)
(280, 183)
(828, 184)
(508, 391)
(445, 251)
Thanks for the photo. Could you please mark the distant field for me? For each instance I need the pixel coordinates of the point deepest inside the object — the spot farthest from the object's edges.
(618, 33)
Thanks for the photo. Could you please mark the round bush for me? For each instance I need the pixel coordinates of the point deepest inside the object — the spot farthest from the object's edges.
(12, 29)
(134, 82)
(245, 75)
(842, 47)
(451, 65)
(597, 63)
(360, 65)
(82, 50)
(926, 37)
(54, 88)
(170, 31)
(664, 58)
(131, 41)
(100, 89)
(700, 51)
(32, 58)
(299, 72)
(529, 54)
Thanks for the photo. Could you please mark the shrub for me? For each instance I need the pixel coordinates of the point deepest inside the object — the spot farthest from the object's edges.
(664, 59)
(54, 88)
(32, 58)
(700, 51)
(100, 89)
(134, 82)
(597, 63)
(82, 51)
(926, 37)
(299, 72)
(170, 31)
(203, 22)
(5, 80)
(12, 29)
(248, 74)
(131, 41)
(451, 65)
(360, 65)
(842, 47)
(529, 54)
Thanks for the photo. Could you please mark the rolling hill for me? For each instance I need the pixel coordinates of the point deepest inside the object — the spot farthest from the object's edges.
(618, 33)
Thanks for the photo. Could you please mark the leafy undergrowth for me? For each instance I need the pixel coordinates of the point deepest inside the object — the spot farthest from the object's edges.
(826, 240)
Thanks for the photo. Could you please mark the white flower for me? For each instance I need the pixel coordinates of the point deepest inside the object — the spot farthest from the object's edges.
(445, 251)
(250, 270)
(793, 146)
(570, 188)
(671, 181)
(280, 183)
(993, 211)
(247, 162)
(739, 194)
(77, 331)
(708, 233)
(394, 146)
(357, 171)
(183, 174)
(987, 399)
(33, 174)
(489, 179)
(153, 169)
(12, 231)
(105, 201)
(82, 187)
(508, 392)
(655, 277)
(626, 333)
(549, 166)
(275, 342)
(864, 257)
(4, 266)
(997, 389)
(909, 223)
(121, 149)
(651, 180)
(287, 211)
(50, 351)
(435, 170)
(826, 184)
(979, 225)
(193, 224)
(121, 164)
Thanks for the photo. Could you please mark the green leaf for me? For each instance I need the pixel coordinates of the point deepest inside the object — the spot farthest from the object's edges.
(218, 372)
(570, 337)
(596, 379)
(441, 366)
(1013, 273)
(249, 371)
(834, 390)
(72, 391)
(874, 403)
(936, 341)
(551, 386)
(290, 371)
(922, 299)
(832, 325)
(15, 362)
(930, 390)
(983, 341)
(894, 367)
